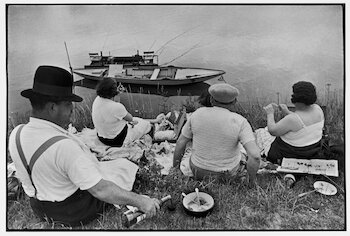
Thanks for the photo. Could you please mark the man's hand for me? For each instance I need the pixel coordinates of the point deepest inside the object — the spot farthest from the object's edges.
(150, 206)
(249, 181)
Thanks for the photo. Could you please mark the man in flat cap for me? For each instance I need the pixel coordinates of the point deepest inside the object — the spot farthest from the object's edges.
(63, 183)
(216, 133)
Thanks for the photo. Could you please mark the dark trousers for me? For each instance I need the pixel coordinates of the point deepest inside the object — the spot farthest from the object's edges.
(201, 174)
(80, 208)
(117, 141)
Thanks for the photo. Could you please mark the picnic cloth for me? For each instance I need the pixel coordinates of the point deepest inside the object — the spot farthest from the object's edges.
(132, 151)
(162, 152)
(135, 132)
(264, 140)
(118, 169)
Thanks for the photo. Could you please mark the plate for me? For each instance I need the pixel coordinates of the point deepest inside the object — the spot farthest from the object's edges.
(325, 188)
(189, 202)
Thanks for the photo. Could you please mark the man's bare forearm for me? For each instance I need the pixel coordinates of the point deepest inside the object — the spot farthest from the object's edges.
(179, 150)
(111, 193)
(252, 167)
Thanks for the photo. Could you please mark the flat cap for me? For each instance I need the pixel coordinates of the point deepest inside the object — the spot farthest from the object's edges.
(223, 92)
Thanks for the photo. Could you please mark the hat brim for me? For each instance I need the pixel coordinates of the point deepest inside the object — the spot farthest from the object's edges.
(29, 93)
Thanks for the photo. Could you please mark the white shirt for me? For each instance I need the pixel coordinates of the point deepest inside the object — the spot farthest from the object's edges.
(216, 133)
(60, 170)
(107, 116)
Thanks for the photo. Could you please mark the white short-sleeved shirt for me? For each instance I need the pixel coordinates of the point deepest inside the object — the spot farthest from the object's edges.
(215, 134)
(107, 116)
(60, 170)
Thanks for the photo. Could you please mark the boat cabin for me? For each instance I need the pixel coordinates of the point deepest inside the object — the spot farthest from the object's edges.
(98, 60)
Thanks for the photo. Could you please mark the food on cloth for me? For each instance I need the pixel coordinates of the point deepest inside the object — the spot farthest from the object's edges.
(165, 130)
(165, 135)
(164, 125)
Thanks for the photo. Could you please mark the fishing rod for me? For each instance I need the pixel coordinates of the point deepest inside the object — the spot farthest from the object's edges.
(160, 50)
(70, 66)
(183, 54)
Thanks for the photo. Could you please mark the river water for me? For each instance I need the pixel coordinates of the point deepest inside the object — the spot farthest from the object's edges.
(263, 49)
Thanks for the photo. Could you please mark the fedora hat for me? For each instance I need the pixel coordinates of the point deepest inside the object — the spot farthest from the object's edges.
(52, 81)
(223, 92)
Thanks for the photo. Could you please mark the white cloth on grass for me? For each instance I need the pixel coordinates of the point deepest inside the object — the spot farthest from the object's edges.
(137, 131)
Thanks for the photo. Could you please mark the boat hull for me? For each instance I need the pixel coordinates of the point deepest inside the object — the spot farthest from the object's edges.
(189, 76)
(192, 89)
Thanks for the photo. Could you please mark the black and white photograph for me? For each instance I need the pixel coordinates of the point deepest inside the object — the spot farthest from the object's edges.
(182, 116)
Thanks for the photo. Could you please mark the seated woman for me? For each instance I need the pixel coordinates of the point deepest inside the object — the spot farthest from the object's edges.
(114, 124)
(299, 133)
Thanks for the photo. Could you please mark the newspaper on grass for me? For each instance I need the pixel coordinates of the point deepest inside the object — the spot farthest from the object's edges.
(314, 166)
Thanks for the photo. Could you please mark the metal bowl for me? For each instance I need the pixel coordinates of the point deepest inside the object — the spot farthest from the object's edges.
(192, 208)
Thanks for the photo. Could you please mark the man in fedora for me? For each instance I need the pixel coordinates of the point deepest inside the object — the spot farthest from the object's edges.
(216, 133)
(64, 185)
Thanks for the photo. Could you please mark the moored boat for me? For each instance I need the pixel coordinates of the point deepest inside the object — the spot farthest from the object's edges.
(143, 70)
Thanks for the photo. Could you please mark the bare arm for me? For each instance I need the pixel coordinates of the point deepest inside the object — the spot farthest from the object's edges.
(128, 117)
(253, 160)
(179, 150)
(109, 192)
(285, 109)
(282, 127)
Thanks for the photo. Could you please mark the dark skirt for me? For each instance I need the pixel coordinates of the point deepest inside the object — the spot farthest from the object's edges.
(280, 149)
(80, 208)
(117, 141)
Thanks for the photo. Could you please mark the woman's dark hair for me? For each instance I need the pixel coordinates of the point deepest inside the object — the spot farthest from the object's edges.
(304, 92)
(107, 88)
(204, 99)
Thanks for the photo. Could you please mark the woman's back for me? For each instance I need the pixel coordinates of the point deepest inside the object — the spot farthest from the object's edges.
(312, 115)
(310, 122)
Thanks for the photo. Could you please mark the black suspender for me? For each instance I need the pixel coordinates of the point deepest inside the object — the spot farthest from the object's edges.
(36, 154)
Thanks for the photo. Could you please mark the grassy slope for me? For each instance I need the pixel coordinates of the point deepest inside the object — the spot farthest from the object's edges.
(268, 206)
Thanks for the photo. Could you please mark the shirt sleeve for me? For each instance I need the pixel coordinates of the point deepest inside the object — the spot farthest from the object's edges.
(246, 134)
(187, 129)
(119, 111)
(81, 170)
